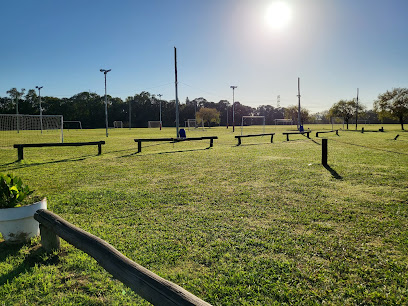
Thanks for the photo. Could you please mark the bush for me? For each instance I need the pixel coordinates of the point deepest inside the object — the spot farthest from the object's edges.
(12, 191)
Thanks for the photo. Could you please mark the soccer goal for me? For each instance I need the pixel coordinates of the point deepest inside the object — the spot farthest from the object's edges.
(118, 124)
(16, 129)
(73, 125)
(283, 122)
(194, 124)
(337, 123)
(154, 124)
(253, 124)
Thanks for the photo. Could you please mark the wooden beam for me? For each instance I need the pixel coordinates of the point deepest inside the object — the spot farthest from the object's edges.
(145, 283)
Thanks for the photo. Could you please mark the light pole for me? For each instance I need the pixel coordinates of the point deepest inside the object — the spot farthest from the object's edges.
(233, 108)
(39, 95)
(160, 95)
(105, 72)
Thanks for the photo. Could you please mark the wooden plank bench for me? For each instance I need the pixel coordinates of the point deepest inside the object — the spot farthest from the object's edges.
(254, 135)
(173, 140)
(296, 133)
(20, 147)
(337, 132)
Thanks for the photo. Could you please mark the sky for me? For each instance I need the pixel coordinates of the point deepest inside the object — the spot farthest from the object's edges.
(333, 46)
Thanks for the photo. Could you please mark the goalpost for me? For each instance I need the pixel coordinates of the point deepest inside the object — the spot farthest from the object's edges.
(118, 124)
(30, 129)
(78, 124)
(253, 120)
(194, 123)
(283, 121)
(337, 121)
(154, 124)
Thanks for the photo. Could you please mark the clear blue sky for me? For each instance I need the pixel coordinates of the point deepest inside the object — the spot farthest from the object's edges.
(334, 46)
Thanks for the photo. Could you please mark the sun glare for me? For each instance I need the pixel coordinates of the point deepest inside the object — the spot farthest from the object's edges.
(278, 15)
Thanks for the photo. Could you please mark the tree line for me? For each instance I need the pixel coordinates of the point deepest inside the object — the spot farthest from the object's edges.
(89, 108)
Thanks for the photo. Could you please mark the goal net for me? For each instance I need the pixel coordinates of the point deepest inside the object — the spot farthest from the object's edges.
(73, 125)
(283, 122)
(154, 124)
(253, 124)
(16, 129)
(118, 124)
(194, 124)
(337, 123)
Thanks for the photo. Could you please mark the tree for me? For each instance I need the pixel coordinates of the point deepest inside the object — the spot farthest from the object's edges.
(15, 95)
(209, 115)
(393, 104)
(291, 112)
(345, 109)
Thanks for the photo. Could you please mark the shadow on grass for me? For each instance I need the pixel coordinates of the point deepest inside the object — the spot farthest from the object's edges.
(18, 164)
(35, 256)
(166, 152)
(333, 172)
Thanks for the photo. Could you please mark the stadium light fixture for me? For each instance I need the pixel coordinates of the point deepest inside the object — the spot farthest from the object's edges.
(233, 108)
(39, 95)
(105, 72)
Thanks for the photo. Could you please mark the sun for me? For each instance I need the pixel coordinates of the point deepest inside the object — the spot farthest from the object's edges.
(278, 15)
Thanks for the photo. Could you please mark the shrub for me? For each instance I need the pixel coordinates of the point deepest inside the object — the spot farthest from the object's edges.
(12, 191)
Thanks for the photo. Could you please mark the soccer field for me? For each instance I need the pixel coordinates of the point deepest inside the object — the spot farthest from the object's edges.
(257, 224)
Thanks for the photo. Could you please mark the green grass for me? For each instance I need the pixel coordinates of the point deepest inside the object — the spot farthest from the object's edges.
(257, 224)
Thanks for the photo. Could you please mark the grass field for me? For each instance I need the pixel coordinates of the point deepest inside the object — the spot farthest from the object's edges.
(256, 224)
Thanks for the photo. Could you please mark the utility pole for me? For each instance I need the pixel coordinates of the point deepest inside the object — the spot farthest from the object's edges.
(175, 83)
(105, 72)
(39, 95)
(130, 114)
(357, 110)
(160, 95)
(233, 108)
(298, 104)
(278, 102)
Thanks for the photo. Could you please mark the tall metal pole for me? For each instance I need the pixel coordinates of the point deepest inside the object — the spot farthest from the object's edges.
(105, 72)
(39, 95)
(357, 110)
(130, 114)
(160, 95)
(298, 103)
(233, 107)
(175, 83)
(227, 115)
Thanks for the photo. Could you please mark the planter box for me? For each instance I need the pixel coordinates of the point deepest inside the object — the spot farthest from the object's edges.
(17, 224)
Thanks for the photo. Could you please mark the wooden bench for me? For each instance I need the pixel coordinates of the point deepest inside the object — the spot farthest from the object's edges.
(296, 133)
(20, 147)
(254, 135)
(337, 132)
(173, 140)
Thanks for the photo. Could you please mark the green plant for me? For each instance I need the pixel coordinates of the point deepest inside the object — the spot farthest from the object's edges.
(12, 191)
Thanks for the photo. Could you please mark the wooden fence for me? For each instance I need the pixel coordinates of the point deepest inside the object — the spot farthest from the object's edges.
(145, 283)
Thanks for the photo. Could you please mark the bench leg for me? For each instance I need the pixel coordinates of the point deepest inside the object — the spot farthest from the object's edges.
(20, 154)
(307, 134)
(99, 149)
(239, 141)
(271, 138)
(287, 137)
(139, 146)
(337, 132)
(211, 142)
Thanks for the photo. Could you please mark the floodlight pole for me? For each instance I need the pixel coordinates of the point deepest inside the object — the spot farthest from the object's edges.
(160, 95)
(105, 72)
(39, 95)
(130, 114)
(175, 83)
(233, 108)
(357, 110)
(298, 103)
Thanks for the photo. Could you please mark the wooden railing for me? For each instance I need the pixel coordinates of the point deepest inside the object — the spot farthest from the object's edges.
(145, 283)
